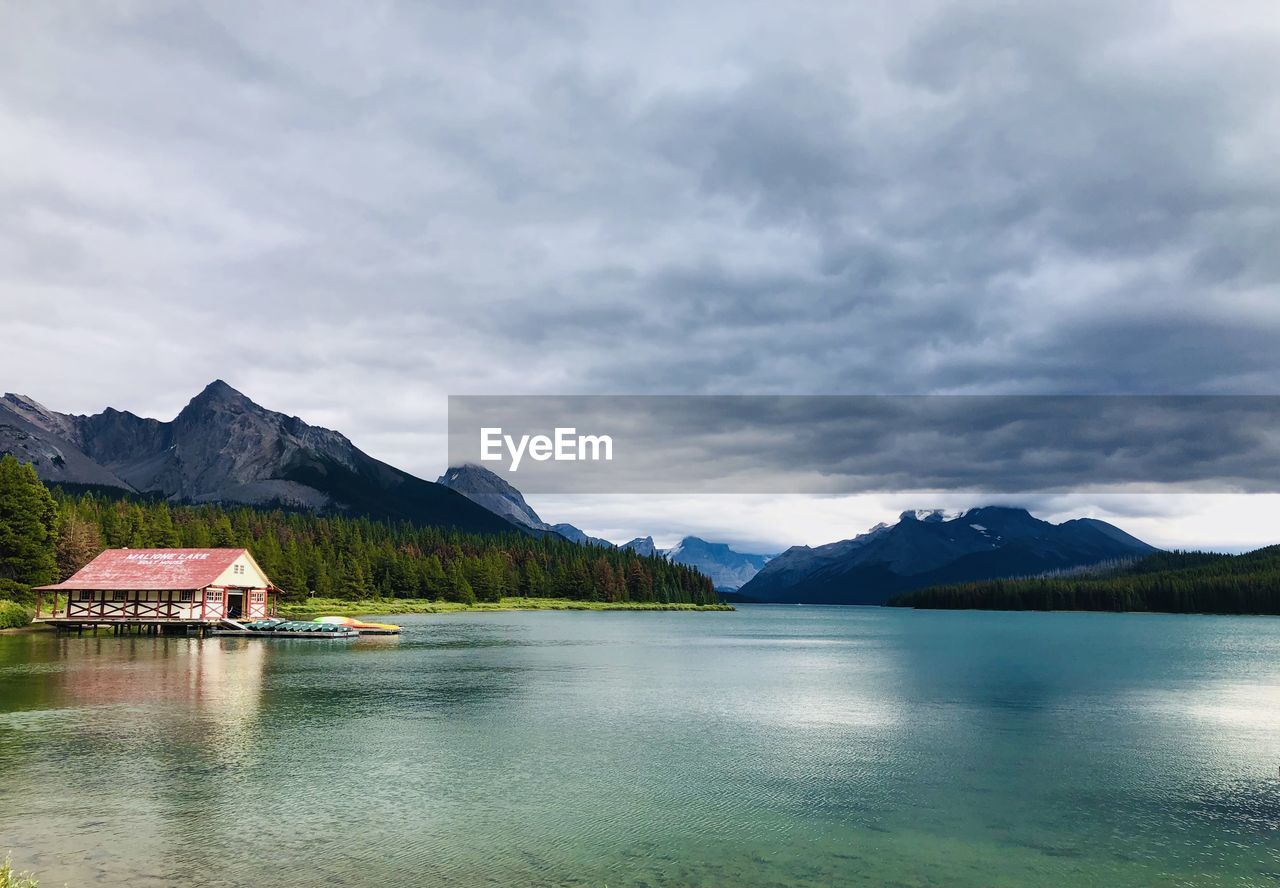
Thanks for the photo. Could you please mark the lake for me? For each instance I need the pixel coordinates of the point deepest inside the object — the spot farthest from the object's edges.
(774, 746)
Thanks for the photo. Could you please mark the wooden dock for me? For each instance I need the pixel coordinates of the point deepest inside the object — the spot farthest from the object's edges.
(77, 625)
(220, 628)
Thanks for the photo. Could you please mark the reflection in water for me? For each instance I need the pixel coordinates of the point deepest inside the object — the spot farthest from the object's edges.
(773, 746)
(221, 676)
(137, 722)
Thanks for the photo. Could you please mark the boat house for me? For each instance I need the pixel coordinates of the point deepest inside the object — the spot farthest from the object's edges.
(177, 588)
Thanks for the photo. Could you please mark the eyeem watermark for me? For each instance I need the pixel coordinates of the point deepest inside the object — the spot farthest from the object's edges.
(565, 445)
(838, 444)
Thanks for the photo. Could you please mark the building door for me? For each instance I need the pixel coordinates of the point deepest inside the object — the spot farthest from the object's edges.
(235, 604)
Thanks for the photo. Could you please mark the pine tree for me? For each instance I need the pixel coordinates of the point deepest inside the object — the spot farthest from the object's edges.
(533, 582)
(603, 588)
(77, 544)
(266, 551)
(28, 519)
(639, 582)
(318, 575)
(134, 528)
(433, 583)
(292, 576)
(355, 581)
(459, 588)
(160, 531)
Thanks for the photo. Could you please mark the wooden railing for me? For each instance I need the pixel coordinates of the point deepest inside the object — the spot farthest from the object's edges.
(197, 609)
(131, 609)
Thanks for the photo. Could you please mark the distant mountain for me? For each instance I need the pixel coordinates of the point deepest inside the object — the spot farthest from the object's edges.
(489, 490)
(644, 546)
(729, 570)
(929, 548)
(569, 532)
(222, 447)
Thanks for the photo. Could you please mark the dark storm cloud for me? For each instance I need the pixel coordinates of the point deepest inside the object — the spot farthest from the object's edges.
(360, 208)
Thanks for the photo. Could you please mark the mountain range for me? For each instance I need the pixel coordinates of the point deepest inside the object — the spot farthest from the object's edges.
(222, 447)
(928, 548)
(727, 568)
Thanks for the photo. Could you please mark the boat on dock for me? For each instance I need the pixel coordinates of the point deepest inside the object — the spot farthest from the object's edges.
(361, 626)
(276, 628)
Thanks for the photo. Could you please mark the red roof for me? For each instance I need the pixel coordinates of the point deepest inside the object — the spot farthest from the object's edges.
(136, 569)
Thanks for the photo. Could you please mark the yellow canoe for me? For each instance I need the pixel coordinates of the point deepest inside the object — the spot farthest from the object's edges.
(359, 625)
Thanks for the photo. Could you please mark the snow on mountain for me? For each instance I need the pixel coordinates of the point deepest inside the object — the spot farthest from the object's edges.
(729, 570)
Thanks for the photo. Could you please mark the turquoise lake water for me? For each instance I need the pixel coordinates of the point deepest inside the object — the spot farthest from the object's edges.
(774, 746)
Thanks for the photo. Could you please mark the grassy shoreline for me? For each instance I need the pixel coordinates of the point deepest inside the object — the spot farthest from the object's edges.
(11, 879)
(317, 607)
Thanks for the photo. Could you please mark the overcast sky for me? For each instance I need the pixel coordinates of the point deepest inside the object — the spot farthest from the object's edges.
(351, 210)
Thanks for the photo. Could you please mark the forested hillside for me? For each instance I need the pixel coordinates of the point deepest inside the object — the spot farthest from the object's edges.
(1172, 582)
(353, 558)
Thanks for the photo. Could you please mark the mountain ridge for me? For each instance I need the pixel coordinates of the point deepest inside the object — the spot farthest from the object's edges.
(224, 447)
(928, 547)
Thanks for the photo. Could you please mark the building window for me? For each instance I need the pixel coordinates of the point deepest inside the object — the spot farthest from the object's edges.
(86, 595)
(186, 595)
(213, 596)
(257, 596)
(119, 596)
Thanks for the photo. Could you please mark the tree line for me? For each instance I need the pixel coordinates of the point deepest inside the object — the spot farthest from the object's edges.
(47, 535)
(1169, 582)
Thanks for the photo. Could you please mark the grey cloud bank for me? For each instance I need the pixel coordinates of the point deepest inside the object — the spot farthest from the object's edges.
(353, 210)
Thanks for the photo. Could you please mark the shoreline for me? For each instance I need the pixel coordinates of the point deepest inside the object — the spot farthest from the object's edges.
(30, 627)
(406, 607)
(410, 606)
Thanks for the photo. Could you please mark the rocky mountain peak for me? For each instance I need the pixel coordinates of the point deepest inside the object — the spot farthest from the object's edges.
(487, 489)
(218, 395)
(727, 568)
(644, 546)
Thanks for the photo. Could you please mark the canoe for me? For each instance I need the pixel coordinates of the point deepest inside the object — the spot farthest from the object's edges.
(275, 628)
(361, 626)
